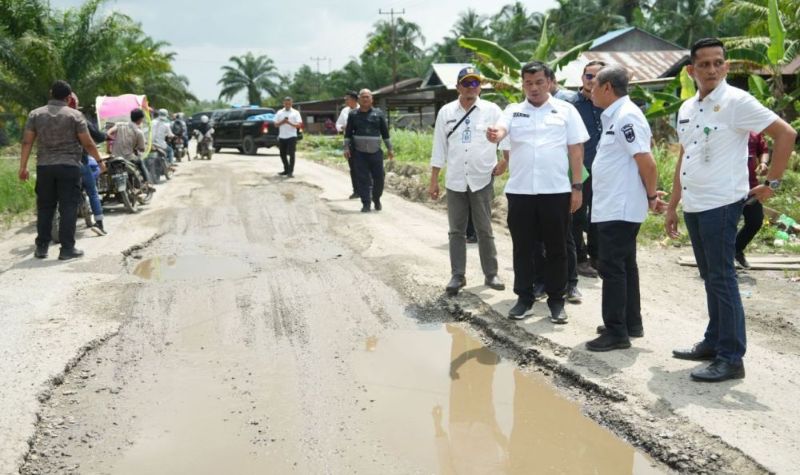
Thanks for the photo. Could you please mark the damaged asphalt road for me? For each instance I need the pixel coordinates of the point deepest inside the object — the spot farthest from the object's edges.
(244, 323)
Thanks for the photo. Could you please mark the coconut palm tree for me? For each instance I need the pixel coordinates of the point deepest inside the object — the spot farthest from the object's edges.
(252, 74)
(515, 29)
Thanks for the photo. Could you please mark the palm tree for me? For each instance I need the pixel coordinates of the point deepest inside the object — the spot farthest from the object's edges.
(515, 29)
(682, 21)
(468, 25)
(251, 73)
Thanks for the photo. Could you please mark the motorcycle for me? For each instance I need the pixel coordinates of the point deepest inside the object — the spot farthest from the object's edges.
(180, 148)
(158, 165)
(123, 182)
(205, 144)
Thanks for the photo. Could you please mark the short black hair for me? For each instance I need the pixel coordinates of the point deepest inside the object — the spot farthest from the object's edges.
(535, 67)
(352, 94)
(706, 43)
(60, 90)
(594, 62)
(137, 115)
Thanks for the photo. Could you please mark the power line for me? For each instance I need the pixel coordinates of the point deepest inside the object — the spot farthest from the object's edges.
(392, 13)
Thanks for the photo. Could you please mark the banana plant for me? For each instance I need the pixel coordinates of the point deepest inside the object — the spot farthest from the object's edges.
(666, 102)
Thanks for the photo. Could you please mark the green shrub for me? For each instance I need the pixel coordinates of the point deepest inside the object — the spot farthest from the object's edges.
(15, 196)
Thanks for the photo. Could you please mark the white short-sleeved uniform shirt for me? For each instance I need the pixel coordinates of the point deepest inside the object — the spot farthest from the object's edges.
(341, 122)
(286, 131)
(537, 141)
(468, 156)
(714, 133)
(618, 191)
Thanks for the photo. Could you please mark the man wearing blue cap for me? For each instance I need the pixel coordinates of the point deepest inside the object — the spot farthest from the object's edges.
(460, 144)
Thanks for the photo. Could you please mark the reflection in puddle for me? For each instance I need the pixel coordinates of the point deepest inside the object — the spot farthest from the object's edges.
(190, 267)
(444, 400)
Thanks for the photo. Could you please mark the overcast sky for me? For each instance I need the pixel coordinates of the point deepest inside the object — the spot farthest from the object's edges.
(205, 33)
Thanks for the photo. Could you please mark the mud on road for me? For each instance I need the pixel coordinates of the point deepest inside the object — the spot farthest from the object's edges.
(265, 324)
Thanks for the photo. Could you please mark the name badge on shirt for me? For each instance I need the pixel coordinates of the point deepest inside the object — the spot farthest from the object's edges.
(466, 135)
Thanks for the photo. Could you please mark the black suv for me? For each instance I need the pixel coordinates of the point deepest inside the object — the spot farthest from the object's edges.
(245, 129)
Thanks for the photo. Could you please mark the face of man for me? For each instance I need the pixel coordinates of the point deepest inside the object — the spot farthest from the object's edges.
(287, 104)
(709, 67)
(602, 94)
(537, 87)
(365, 100)
(588, 77)
(350, 102)
(469, 88)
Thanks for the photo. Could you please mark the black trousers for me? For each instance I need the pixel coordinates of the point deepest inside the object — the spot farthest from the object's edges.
(582, 223)
(369, 175)
(287, 148)
(57, 185)
(543, 218)
(753, 220)
(353, 178)
(572, 263)
(620, 273)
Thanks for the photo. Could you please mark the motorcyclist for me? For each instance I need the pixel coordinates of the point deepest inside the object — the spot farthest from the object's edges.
(161, 133)
(90, 169)
(129, 143)
(203, 129)
(180, 129)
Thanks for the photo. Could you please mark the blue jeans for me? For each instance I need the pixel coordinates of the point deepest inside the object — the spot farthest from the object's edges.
(90, 185)
(713, 235)
(170, 155)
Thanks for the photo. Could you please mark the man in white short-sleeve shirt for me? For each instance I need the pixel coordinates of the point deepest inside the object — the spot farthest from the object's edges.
(460, 145)
(288, 121)
(624, 178)
(712, 179)
(351, 103)
(546, 138)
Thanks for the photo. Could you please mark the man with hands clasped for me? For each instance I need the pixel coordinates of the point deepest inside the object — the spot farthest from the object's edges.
(460, 144)
(546, 137)
(288, 121)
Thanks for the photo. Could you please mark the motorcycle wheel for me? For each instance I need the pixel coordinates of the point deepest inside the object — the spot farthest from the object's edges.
(86, 211)
(143, 193)
(165, 169)
(125, 198)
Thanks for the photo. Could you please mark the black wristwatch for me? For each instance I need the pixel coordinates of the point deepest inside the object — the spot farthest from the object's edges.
(577, 186)
(773, 184)
(652, 198)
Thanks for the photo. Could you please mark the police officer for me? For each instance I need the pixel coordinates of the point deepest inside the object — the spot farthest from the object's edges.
(712, 179)
(366, 127)
(625, 178)
(546, 141)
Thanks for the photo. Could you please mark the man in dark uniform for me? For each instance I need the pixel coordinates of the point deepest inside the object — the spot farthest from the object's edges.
(366, 127)
(61, 134)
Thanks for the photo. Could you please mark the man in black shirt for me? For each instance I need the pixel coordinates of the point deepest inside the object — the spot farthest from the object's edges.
(366, 127)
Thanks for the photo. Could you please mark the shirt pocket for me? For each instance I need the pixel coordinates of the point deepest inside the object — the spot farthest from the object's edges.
(522, 128)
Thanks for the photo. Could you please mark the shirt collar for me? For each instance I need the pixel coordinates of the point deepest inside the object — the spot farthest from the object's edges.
(612, 109)
(478, 104)
(546, 105)
(56, 102)
(716, 93)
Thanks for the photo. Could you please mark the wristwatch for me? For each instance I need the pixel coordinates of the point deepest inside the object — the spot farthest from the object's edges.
(577, 186)
(773, 184)
(652, 198)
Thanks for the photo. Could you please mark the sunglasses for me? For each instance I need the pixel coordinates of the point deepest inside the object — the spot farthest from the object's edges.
(589, 76)
(470, 83)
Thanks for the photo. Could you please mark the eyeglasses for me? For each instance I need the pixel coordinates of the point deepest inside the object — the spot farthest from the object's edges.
(470, 83)
(589, 76)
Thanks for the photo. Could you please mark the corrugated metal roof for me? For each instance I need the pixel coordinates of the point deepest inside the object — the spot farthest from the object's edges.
(401, 85)
(642, 65)
(610, 36)
(444, 74)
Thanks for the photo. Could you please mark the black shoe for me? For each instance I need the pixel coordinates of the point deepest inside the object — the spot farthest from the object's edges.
(378, 205)
(699, 352)
(719, 371)
(353, 196)
(283, 173)
(98, 228)
(574, 295)
(538, 292)
(40, 252)
(67, 254)
(365, 209)
(742, 260)
(557, 314)
(586, 269)
(495, 283)
(519, 310)
(606, 342)
(638, 333)
(455, 284)
(472, 239)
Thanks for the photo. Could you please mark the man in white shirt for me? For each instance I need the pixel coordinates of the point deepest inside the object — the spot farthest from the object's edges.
(624, 180)
(351, 103)
(460, 144)
(712, 179)
(546, 143)
(288, 121)
(162, 130)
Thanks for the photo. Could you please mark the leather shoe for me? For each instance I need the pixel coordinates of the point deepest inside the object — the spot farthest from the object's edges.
(699, 352)
(40, 252)
(742, 260)
(353, 196)
(495, 283)
(67, 254)
(585, 269)
(455, 284)
(606, 342)
(519, 310)
(638, 333)
(378, 205)
(365, 209)
(718, 371)
(557, 314)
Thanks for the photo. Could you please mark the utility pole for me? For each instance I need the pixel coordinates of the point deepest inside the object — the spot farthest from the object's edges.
(392, 13)
(318, 59)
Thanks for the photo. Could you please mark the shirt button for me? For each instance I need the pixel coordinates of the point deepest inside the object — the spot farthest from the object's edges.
(687, 157)
(684, 187)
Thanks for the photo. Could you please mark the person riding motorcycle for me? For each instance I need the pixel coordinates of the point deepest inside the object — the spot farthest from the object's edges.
(203, 131)
(162, 131)
(181, 130)
(129, 143)
(90, 169)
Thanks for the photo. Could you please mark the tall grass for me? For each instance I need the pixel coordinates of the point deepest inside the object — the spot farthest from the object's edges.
(15, 196)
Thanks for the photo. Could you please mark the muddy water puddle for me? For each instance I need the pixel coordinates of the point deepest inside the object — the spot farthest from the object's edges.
(441, 398)
(170, 268)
